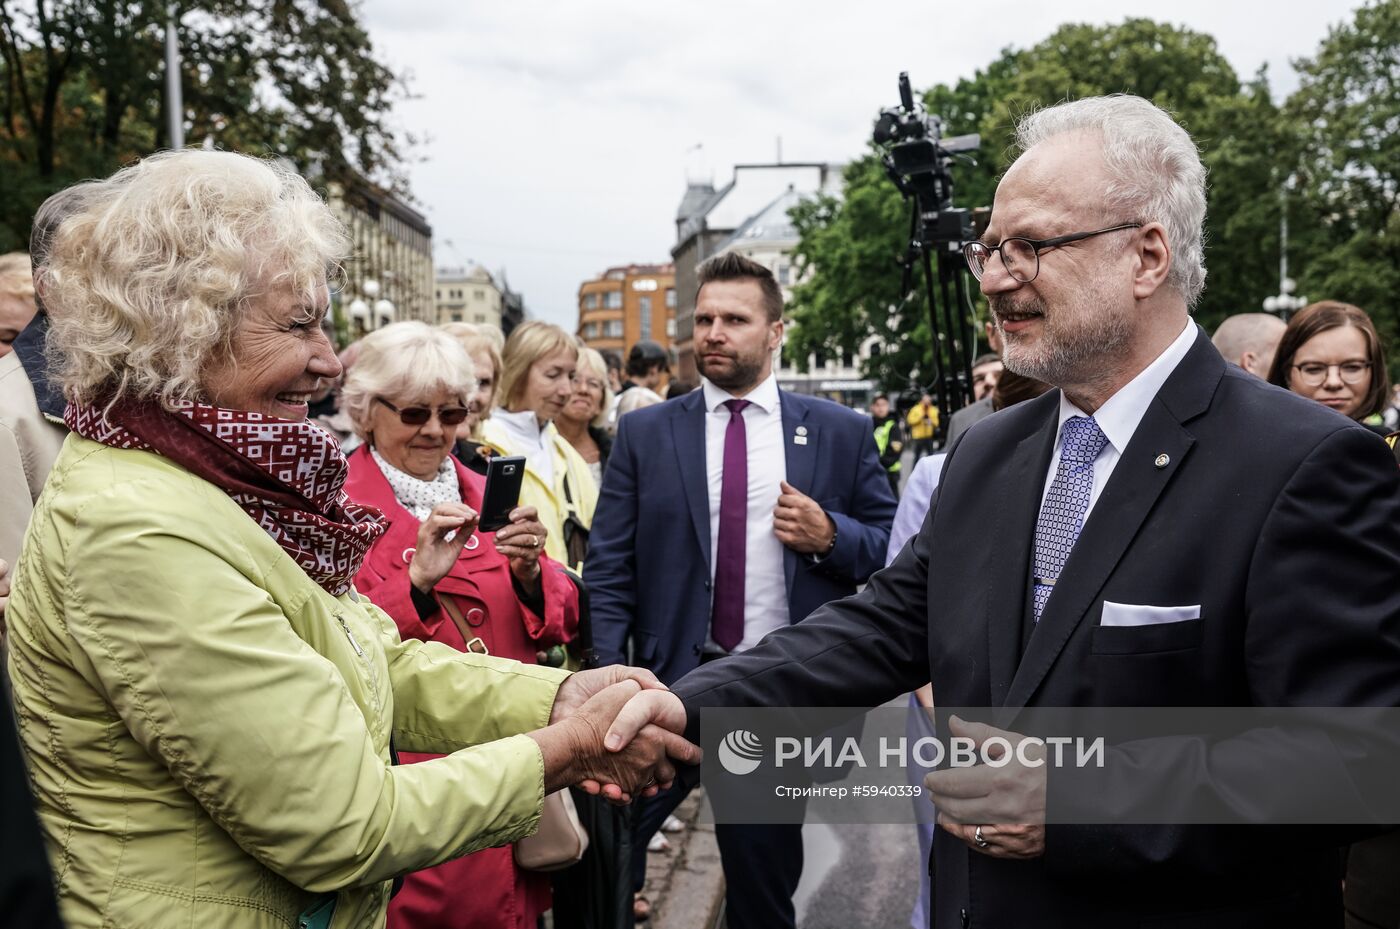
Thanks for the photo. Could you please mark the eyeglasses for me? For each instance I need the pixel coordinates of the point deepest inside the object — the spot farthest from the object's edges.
(419, 415)
(1020, 256)
(1314, 373)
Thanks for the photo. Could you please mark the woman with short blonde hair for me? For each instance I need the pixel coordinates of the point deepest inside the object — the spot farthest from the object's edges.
(537, 378)
(584, 419)
(528, 344)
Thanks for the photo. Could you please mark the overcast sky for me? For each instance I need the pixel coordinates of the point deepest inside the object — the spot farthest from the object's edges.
(558, 136)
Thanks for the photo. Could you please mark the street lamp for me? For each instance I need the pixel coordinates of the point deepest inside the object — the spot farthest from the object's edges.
(1284, 303)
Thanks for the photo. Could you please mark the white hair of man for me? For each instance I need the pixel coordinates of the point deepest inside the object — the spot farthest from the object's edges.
(1155, 173)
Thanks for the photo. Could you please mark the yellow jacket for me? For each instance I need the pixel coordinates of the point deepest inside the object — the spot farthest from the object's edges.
(549, 498)
(208, 730)
(922, 426)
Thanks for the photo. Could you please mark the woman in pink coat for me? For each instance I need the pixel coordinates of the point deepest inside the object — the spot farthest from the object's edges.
(443, 580)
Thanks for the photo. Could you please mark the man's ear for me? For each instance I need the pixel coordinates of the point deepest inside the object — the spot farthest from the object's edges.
(1154, 260)
(1247, 360)
(775, 335)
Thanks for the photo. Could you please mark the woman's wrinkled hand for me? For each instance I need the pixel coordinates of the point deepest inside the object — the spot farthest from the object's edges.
(521, 542)
(438, 546)
(574, 753)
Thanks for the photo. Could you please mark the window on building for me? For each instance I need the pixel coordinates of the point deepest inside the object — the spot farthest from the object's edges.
(590, 301)
(612, 300)
(481, 317)
(644, 308)
(670, 328)
(847, 360)
(670, 298)
(784, 273)
(612, 329)
(479, 294)
(456, 317)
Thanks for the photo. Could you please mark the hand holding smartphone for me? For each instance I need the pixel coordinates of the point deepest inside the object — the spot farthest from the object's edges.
(504, 477)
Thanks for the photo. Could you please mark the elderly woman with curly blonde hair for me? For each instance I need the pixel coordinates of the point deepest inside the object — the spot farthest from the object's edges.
(208, 706)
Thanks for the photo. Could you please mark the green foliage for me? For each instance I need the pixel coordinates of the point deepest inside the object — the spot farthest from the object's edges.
(1346, 114)
(1343, 126)
(82, 91)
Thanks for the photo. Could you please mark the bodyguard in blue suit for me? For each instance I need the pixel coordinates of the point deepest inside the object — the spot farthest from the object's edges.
(725, 514)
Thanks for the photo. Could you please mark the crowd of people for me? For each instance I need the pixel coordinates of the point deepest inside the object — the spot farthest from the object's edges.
(269, 667)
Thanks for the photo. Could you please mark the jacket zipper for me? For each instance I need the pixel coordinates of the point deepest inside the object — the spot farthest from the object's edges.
(349, 635)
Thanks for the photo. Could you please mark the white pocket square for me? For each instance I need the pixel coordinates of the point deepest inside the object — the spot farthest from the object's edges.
(1131, 614)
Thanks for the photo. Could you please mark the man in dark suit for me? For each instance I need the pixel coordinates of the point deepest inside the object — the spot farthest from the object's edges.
(1164, 530)
(724, 515)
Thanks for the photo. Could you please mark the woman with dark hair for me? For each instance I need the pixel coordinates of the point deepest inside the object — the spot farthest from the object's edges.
(1331, 353)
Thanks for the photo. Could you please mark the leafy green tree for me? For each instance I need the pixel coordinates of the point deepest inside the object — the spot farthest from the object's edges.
(1244, 141)
(82, 90)
(1347, 112)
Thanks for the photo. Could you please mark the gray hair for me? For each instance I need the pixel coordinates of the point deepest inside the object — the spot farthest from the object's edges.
(1154, 168)
(52, 212)
(406, 361)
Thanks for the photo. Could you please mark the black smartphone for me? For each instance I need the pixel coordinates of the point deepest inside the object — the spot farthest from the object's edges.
(503, 478)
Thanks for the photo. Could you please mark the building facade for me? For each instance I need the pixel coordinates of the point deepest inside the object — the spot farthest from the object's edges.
(468, 295)
(709, 221)
(626, 305)
(769, 238)
(389, 275)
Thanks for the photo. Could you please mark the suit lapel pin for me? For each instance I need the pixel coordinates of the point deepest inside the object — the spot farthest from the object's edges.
(1163, 460)
(801, 437)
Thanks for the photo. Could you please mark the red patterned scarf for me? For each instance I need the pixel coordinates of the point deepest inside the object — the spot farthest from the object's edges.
(287, 475)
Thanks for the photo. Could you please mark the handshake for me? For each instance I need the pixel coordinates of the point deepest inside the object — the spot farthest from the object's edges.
(614, 732)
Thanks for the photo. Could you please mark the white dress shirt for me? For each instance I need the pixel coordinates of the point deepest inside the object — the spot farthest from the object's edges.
(765, 583)
(531, 439)
(1121, 413)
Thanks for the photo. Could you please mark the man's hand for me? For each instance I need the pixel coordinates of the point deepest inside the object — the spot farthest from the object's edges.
(802, 525)
(986, 797)
(647, 711)
(574, 754)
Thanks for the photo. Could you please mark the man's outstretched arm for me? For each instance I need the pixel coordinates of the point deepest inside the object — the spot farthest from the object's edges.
(856, 652)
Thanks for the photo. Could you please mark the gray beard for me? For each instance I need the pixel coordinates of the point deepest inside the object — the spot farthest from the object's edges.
(1079, 350)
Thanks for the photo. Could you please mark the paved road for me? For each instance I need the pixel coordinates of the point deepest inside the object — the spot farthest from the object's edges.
(863, 876)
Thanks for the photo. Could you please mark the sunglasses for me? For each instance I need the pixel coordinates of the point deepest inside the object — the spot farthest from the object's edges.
(419, 415)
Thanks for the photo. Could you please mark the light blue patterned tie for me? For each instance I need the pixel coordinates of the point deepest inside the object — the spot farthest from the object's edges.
(1062, 513)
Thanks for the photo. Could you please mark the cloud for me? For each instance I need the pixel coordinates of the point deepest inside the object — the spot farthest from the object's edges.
(561, 133)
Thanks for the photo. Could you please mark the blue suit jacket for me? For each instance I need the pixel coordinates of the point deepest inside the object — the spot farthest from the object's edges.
(648, 566)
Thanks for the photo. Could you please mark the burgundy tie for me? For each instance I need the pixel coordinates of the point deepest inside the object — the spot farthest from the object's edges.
(727, 613)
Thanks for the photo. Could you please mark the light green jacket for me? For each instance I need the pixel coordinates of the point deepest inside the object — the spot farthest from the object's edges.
(208, 730)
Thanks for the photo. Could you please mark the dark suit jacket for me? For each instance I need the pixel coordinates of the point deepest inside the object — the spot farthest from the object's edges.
(648, 567)
(1279, 517)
